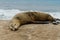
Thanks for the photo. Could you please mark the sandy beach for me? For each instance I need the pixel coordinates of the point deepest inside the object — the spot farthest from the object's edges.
(30, 32)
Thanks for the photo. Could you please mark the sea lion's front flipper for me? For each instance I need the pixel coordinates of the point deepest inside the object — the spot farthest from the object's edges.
(41, 22)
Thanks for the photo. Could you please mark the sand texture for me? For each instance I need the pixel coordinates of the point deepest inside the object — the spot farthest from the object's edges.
(30, 32)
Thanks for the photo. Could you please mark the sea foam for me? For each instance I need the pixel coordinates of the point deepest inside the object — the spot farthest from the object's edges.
(8, 14)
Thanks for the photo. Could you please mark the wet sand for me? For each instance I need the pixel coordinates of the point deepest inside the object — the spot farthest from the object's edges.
(30, 32)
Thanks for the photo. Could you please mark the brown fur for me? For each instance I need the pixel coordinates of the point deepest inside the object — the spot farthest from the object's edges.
(29, 17)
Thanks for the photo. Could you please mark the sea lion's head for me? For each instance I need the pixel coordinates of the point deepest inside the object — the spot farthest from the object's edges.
(14, 25)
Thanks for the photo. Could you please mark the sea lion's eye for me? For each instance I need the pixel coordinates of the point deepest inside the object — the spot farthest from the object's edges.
(17, 17)
(15, 24)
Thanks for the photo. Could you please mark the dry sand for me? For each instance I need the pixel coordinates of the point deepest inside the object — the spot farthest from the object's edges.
(30, 32)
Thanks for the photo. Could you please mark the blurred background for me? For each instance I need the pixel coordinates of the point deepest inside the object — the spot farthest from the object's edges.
(40, 5)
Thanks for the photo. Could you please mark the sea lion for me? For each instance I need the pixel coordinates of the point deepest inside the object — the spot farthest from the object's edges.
(29, 17)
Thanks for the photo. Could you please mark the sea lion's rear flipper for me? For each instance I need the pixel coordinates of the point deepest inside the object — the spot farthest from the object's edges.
(56, 22)
(41, 22)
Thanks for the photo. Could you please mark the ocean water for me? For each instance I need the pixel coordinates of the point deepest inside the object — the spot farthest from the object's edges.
(39, 5)
(9, 8)
(8, 14)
